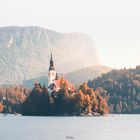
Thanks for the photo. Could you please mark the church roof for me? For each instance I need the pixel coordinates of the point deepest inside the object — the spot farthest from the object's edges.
(68, 84)
(57, 85)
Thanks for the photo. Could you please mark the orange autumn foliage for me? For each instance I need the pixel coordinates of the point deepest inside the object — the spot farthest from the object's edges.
(64, 101)
(1, 107)
(91, 101)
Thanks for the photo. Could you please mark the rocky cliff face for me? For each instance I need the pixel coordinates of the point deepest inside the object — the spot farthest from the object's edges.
(25, 52)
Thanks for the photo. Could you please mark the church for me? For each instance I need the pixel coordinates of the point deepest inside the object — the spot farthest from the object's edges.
(54, 81)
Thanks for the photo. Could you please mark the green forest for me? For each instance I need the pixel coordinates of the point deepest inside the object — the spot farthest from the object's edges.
(122, 87)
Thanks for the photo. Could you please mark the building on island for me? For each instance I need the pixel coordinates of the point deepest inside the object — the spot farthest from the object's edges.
(54, 81)
(51, 73)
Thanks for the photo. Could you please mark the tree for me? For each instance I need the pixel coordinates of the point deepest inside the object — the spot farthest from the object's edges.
(1, 107)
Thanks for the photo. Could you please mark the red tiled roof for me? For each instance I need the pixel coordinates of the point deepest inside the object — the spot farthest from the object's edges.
(69, 85)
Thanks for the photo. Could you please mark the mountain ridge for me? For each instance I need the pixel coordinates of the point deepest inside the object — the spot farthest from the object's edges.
(88, 73)
(76, 77)
(25, 52)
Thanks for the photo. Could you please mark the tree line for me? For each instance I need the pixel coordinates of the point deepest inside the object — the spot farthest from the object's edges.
(11, 98)
(122, 87)
(84, 101)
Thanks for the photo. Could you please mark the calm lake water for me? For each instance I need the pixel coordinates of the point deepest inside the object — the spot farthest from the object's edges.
(112, 127)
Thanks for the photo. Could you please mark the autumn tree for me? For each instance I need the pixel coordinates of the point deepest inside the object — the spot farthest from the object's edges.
(1, 107)
(91, 101)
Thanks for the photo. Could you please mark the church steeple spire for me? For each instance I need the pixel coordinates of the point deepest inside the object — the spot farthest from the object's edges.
(51, 72)
(51, 56)
(51, 64)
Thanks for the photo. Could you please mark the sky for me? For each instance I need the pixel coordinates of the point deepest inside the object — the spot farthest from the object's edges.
(114, 25)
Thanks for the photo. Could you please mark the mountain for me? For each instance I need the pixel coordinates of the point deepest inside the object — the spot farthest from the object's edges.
(25, 52)
(76, 77)
(85, 74)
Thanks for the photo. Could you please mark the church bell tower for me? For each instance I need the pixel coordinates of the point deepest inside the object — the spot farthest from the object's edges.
(51, 73)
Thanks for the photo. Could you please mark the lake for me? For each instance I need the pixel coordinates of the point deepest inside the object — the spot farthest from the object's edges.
(112, 127)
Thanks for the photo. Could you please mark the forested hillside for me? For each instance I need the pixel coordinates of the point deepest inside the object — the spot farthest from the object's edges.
(122, 88)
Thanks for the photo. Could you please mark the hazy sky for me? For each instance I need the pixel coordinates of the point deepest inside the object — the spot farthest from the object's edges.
(113, 24)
